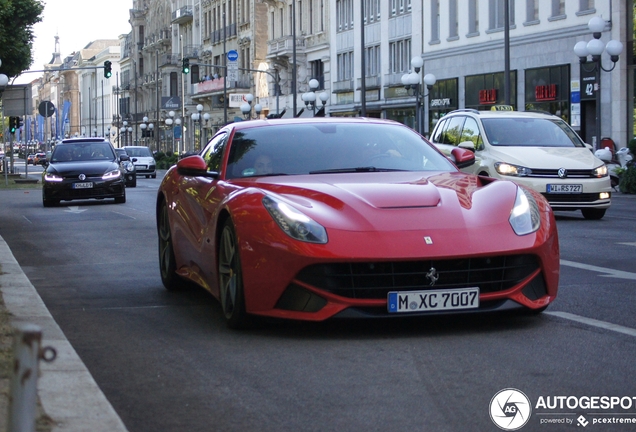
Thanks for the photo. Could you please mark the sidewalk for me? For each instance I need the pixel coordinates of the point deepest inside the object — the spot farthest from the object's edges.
(68, 393)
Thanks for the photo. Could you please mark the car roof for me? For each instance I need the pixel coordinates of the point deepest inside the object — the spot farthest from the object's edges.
(504, 114)
(83, 140)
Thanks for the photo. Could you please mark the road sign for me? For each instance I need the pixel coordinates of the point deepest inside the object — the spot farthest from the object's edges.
(46, 108)
(232, 55)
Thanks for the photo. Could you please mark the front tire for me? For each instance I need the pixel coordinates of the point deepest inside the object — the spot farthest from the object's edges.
(593, 214)
(167, 262)
(231, 291)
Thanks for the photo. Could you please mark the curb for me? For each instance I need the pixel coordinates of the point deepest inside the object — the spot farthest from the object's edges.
(67, 391)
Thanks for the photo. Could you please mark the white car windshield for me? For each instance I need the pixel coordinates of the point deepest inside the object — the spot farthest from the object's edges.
(138, 152)
(530, 132)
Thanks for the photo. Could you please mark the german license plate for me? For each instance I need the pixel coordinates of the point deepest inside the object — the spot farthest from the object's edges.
(433, 300)
(84, 185)
(565, 188)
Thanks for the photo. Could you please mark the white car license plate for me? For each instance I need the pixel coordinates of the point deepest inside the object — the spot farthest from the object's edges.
(85, 185)
(565, 188)
(433, 300)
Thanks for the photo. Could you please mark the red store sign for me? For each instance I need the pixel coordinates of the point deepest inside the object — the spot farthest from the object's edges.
(545, 92)
(488, 97)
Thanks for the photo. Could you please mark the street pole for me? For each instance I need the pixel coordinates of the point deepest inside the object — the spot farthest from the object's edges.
(157, 142)
(363, 83)
(102, 108)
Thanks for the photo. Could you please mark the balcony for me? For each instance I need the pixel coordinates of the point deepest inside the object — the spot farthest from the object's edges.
(170, 60)
(284, 47)
(343, 86)
(182, 15)
(370, 82)
(191, 51)
(217, 35)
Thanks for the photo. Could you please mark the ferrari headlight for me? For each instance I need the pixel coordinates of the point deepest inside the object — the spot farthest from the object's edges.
(601, 171)
(112, 175)
(524, 217)
(296, 224)
(504, 168)
(52, 178)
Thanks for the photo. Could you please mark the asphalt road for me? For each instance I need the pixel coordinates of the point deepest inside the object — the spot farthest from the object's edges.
(166, 361)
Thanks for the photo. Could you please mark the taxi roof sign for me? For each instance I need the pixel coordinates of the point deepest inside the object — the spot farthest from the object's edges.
(501, 108)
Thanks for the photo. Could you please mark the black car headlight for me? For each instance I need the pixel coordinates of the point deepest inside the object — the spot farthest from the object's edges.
(524, 217)
(53, 178)
(295, 223)
(112, 175)
(504, 168)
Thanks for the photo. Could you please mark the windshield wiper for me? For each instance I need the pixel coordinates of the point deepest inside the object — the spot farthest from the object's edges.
(353, 170)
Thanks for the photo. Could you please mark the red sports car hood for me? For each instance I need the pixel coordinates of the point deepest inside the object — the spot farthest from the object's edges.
(396, 200)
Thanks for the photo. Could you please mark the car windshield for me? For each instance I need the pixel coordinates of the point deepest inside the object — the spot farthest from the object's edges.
(90, 151)
(138, 152)
(330, 148)
(530, 132)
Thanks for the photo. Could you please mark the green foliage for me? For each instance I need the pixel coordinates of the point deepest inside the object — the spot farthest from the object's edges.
(628, 180)
(165, 160)
(632, 146)
(17, 18)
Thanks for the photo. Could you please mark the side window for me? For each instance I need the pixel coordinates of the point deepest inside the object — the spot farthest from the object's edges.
(453, 131)
(213, 152)
(437, 133)
(470, 132)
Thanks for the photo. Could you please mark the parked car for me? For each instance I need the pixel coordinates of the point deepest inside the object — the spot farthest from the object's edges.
(127, 167)
(30, 159)
(144, 161)
(83, 168)
(536, 150)
(314, 218)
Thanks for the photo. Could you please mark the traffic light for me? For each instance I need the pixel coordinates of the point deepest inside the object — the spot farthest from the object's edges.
(18, 122)
(185, 65)
(12, 124)
(108, 69)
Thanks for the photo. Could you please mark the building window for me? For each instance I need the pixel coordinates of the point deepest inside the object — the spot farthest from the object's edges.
(174, 84)
(399, 7)
(299, 13)
(344, 15)
(532, 11)
(345, 66)
(558, 8)
(496, 14)
(371, 11)
(399, 56)
(586, 5)
(372, 60)
(473, 18)
(435, 21)
(318, 72)
(453, 26)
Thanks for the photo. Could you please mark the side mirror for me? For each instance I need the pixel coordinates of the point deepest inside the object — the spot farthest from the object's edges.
(467, 145)
(134, 159)
(124, 158)
(462, 157)
(195, 166)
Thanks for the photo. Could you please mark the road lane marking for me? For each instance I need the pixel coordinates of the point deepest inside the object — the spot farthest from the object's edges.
(608, 271)
(627, 244)
(595, 323)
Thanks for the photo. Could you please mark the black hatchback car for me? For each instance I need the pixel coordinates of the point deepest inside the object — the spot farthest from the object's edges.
(83, 168)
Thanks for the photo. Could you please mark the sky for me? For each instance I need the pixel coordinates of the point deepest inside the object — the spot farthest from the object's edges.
(76, 22)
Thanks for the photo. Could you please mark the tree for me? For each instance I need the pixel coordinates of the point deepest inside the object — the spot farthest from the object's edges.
(17, 18)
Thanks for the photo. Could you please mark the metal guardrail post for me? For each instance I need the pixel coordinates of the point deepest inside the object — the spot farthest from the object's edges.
(27, 352)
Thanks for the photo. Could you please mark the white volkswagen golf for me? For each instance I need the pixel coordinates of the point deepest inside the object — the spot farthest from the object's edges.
(537, 150)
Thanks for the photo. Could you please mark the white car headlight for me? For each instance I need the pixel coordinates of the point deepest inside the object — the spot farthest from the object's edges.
(52, 178)
(112, 175)
(524, 217)
(504, 168)
(296, 224)
(601, 171)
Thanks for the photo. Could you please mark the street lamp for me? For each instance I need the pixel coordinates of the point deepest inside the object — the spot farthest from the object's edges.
(246, 108)
(595, 48)
(310, 97)
(125, 129)
(413, 81)
(196, 117)
(206, 117)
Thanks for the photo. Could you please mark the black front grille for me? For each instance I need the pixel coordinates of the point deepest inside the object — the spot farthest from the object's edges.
(554, 173)
(374, 280)
(571, 198)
